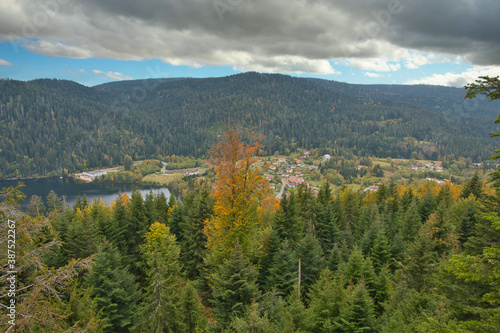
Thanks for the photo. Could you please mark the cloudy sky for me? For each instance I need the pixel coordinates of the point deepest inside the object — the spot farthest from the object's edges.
(443, 42)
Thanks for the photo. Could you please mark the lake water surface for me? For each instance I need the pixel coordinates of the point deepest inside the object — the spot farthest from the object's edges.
(72, 190)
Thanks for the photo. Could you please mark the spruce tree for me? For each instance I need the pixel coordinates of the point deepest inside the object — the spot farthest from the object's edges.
(287, 222)
(195, 319)
(120, 224)
(412, 222)
(196, 211)
(101, 214)
(328, 298)
(359, 315)
(358, 268)
(435, 241)
(53, 201)
(161, 207)
(473, 186)
(114, 289)
(234, 286)
(36, 207)
(150, 209)
(283, 272)
(311, 255)
(427, 206)
(380, 251)
(82, 236)
(160, 310)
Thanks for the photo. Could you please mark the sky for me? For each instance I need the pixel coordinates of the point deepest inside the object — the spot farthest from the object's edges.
(438, 42)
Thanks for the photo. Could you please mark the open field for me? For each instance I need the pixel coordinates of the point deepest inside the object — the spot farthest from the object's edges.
(163, 179)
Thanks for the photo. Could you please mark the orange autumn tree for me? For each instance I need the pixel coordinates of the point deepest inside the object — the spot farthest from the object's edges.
(238, 192)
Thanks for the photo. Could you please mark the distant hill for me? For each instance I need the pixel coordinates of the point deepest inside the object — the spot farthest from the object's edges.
(134, 84)
(51, 125)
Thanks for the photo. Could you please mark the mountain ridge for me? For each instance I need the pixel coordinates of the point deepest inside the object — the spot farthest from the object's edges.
(52, 125)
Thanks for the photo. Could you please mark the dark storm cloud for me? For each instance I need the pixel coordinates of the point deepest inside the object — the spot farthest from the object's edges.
(267, 35)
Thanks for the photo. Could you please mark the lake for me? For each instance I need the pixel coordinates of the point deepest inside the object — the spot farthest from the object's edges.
(72, 190)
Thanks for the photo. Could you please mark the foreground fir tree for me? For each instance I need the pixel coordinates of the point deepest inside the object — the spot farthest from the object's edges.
(234, 286)
(114, 288)
(283, 272)
(312, 261)
(287, 224)
(358, 315)
(160, 309)
(197, 210)
(192, 309)
(328, 298)
(482, 269)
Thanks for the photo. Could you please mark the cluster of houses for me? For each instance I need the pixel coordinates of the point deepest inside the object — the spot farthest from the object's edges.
(90, 175)
(190, 172)
(286, 169)
(439, 181)
(431, 166)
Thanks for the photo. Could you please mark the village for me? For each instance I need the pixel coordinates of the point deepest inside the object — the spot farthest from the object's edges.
(307, 168)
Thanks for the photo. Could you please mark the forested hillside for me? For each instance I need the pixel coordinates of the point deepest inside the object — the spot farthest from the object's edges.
(53, 127)
(229, 257)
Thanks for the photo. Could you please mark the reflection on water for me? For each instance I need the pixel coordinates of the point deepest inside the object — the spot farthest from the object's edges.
(67, 187)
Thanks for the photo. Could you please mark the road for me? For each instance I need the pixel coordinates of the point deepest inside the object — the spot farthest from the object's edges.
(164, 167)
(283, 184)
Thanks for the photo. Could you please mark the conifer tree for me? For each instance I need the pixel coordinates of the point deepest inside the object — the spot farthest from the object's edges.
(101, 214)
(114, 289)
(427, 206)
(150, 209)
(473, 186)
(234, 286)
(139, 222)
(194, 239)
(82, 236)
(254, 320)
(287, 223)
(444, 196)
(175, 221)
(351, 203)
(366, 219)
(161, 207)
(434, 241)
(380, 251)
(359, 315)
(328, 298)
(120, 224)
(272, 245)
(195, 319)
(53, 201)
(36, 207)
(307, 206)
(326, 229)
(339, 215)
(411, 223)
(283, 272)
(160, 310)
(382, 287)
(358, 268)
(312, 261)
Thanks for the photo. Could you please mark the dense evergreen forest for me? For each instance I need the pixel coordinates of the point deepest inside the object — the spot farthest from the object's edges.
(52, 127)
(229, 257)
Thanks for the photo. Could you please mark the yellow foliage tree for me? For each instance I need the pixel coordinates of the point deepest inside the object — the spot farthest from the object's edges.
(238, 192)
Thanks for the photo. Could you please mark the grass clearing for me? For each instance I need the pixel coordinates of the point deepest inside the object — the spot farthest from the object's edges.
(163, 179)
